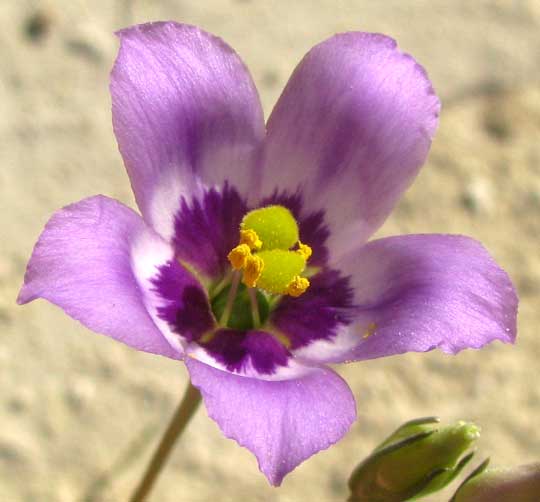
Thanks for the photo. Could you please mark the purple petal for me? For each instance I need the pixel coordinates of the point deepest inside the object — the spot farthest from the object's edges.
(281, 422)
(351, 130)
(185, 112)
(421, 292)
(83, 263)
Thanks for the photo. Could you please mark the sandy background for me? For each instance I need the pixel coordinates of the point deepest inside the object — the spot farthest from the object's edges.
(79, 413)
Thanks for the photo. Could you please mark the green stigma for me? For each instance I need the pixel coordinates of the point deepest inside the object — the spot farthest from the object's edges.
(280, 268)
(275, 226)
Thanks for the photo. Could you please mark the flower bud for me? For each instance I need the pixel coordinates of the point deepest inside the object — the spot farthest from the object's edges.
(417, 459)
(515, 484)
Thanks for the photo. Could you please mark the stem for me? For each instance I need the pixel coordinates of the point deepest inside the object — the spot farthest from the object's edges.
(254, 308)
(227, 311)
(187, 407)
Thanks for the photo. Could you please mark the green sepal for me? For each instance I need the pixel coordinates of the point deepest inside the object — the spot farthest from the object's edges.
(419, 458)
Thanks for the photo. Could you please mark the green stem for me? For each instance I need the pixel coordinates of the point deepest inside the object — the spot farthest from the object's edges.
(187, 407)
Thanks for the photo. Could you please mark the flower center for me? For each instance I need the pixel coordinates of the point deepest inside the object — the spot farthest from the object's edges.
(266, 264)
(270, 254)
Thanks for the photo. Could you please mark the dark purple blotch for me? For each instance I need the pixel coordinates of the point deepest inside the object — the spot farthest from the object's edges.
(236, 350)
(186, 309)
(206, 229)
(326, 306)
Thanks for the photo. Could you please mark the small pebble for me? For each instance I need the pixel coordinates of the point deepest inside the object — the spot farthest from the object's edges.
(270, 78)
(478, 197)
(11, 453)
(37, 26)
(79, 393)
(21, 400)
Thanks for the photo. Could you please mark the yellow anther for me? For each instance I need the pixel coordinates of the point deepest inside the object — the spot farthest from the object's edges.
(297, 286)
(239, 256)
(250, 238)
(304, 250)
(252, 270)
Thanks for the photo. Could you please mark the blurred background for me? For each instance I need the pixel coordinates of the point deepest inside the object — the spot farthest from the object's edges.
(80, 414)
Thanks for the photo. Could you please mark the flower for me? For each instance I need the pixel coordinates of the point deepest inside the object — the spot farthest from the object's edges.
(418, 459)
(258, 325)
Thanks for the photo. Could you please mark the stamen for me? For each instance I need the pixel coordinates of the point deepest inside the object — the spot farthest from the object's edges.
(230, 300)
(239, 255)
(304, 250)
(297, 286)
(221, 285)
(253, 270)
(207, 337)
(250, 238)
(254, 308)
